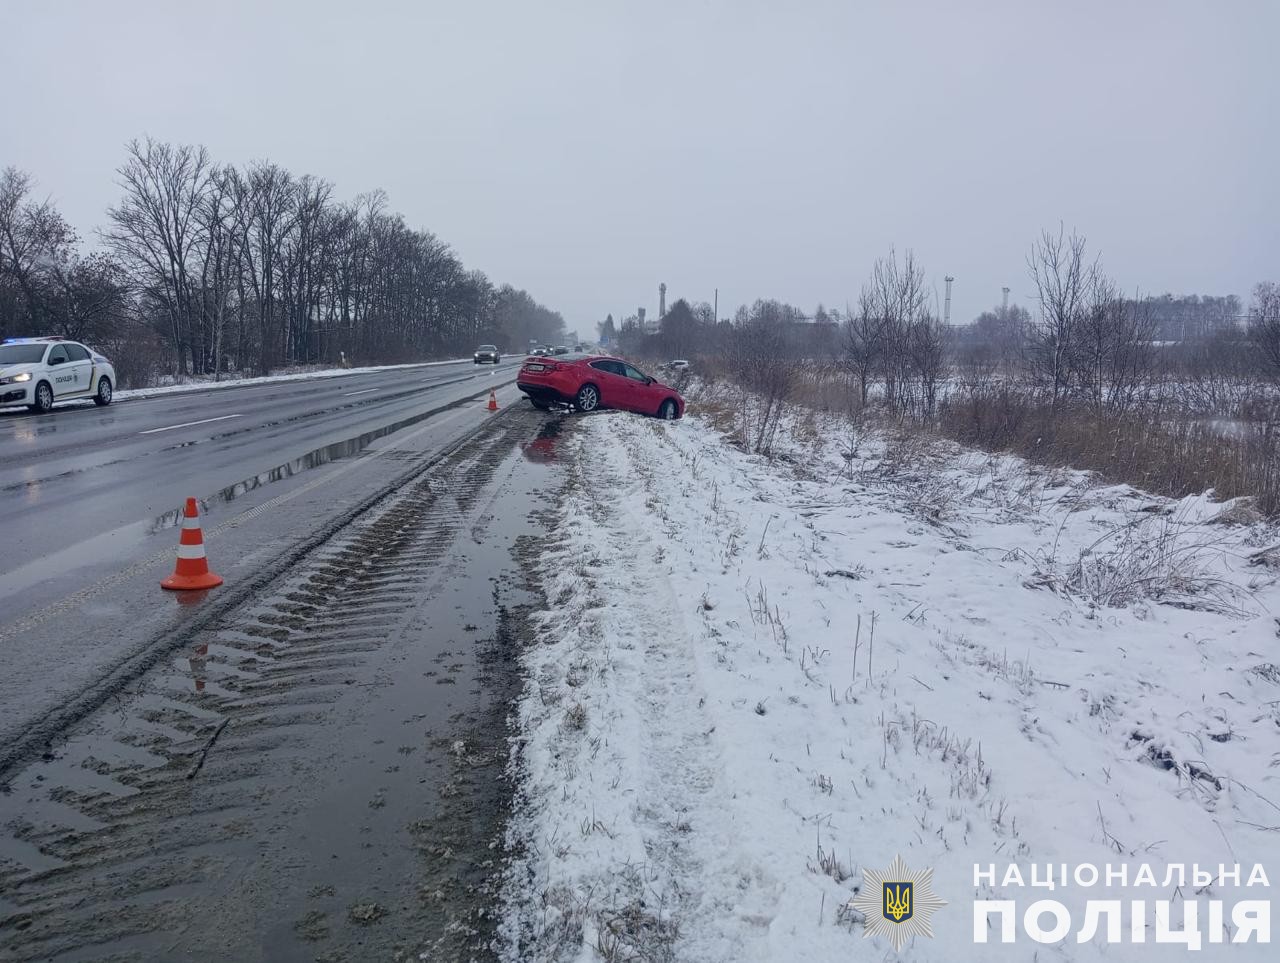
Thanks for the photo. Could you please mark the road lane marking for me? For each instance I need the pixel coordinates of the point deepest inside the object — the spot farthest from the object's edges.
(363, 392)
(188, 424)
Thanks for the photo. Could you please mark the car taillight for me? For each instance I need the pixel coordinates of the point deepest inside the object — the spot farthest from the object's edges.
(550, 366)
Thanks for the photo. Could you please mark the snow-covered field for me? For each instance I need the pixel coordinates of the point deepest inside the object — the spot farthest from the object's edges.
(207, 383)
(756, 678)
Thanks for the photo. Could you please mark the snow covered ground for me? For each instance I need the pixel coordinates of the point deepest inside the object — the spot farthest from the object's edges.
(207, 383)
(756, 678)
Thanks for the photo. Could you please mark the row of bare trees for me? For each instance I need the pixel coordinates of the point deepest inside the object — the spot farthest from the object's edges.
(223, 268)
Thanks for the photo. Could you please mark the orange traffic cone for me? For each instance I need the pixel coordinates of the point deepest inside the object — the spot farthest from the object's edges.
(192, 570)
(493, 401)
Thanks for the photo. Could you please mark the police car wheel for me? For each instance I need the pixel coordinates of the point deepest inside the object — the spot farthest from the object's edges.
(43, 398)
(103, 397)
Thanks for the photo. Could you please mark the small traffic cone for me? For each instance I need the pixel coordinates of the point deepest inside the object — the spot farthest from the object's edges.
(192, 570)
(493, 401)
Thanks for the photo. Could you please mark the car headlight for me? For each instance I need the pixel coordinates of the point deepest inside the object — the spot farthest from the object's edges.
(16, 379)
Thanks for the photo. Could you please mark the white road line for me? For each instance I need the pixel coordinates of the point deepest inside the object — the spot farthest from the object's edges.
(188, 424)
(363, 392)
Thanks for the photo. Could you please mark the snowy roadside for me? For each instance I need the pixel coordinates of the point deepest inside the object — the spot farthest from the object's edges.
(755, 679)
(210, 385)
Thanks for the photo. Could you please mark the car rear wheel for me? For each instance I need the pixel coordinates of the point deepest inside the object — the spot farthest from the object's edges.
(104, 395)
(44, 398)
(668, 410)
(588, 398)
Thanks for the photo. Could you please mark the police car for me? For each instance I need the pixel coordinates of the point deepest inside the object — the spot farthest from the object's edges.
(37, 372)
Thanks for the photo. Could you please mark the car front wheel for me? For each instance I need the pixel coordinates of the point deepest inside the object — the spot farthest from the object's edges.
(43, 400)
(588, 398)
(104, 395)
(668, 410)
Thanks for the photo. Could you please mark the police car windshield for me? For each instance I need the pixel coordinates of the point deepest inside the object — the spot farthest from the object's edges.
(21, 353)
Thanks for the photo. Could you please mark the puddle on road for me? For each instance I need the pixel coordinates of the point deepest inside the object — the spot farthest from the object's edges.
(313, 459)
(323, 778)
(544, 448)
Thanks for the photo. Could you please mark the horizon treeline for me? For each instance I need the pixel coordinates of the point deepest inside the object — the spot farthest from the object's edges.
(210, 268)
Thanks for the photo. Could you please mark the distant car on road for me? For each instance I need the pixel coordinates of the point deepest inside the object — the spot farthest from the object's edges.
(540, 352)
(37, 372)
(561, 349)
(597, 382)
(488, 354)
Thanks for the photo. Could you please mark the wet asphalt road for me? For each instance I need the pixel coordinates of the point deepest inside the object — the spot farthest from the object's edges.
(81, 471)
(88, 498)
(316, 771)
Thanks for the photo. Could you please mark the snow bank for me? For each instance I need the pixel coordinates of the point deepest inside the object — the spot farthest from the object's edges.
(755, 679)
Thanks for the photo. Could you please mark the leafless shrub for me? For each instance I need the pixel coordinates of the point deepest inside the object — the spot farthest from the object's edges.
(766, 382)
(1158, 558)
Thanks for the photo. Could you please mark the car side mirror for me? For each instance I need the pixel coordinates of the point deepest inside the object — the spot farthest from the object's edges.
(648, 380)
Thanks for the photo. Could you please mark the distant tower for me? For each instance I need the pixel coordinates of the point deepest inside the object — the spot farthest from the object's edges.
(662, 300)
(1004, 305)
(946, 311)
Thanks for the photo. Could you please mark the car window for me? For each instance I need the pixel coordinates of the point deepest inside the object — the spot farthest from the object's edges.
(58, 354)
(76, 352)
(635, 374)
(613, 367)
(21, 353)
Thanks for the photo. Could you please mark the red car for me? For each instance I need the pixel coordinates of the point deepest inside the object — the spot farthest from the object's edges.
(593, 382)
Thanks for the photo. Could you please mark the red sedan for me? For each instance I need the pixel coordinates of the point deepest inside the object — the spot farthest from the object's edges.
(592, 382)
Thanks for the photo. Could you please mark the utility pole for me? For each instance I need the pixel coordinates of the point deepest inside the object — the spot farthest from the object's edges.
(1004, 305)
(716, 310)
(946, 311)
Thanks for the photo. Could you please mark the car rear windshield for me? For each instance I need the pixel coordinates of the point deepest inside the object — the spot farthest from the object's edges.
(21, 353)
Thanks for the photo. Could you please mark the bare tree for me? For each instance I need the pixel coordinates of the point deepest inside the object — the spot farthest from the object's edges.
(219, 254)
(754, 351)
(1063, 280)
(155, 229)
(1264, 323)
(34, 242)
(864, 343)
(886, 337)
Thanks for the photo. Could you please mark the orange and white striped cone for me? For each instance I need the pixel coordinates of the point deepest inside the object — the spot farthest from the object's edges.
(493, 401)
(192, 570)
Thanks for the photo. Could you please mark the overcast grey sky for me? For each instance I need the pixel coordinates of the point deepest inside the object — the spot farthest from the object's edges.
(588, 150)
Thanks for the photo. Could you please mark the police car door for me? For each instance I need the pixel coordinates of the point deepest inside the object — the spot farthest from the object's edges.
(60, 372)
(81, 366)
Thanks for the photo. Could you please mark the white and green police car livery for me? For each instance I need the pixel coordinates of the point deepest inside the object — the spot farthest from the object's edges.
(37, 372)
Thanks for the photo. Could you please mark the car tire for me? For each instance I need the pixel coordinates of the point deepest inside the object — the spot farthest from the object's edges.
(668, 410)
(102, 397)
(587, 398)
(43, 398)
